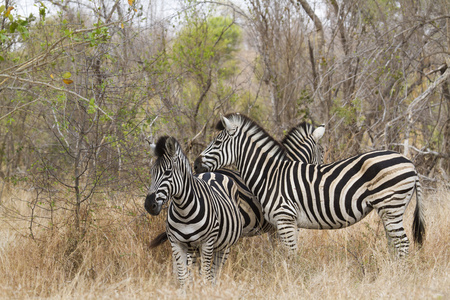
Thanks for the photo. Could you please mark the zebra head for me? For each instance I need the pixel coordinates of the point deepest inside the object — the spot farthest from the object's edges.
(220, 152)
(302, 143)
(162, 174)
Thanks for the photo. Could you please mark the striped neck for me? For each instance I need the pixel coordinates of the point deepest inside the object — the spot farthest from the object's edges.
(256, 151)
(186, 199)
(182, 178)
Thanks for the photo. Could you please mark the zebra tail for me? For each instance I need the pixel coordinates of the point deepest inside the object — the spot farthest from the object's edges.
(158, 241)
(419, 222)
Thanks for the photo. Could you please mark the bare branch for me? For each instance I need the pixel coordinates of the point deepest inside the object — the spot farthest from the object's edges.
(317, 23)
(55, 88)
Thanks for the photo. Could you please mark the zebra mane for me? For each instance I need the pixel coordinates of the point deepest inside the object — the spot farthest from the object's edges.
(160, 148)
(302, 130)
(244, 120)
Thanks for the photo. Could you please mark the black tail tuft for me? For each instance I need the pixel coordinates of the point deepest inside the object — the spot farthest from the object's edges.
(160, 239)
(418, 222)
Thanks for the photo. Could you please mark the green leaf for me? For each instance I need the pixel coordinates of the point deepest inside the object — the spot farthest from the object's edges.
(67, 75)
(42, 11)
(13, 26)
(92, 106)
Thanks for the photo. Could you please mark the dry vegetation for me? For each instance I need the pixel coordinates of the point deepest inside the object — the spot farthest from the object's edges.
(84, 84)
(113, 260)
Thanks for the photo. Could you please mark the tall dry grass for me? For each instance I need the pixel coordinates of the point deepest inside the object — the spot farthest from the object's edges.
(113, 261)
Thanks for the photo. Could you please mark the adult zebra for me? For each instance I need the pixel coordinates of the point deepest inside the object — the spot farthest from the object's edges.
(203, 215)
(331, 196)
(301, 143)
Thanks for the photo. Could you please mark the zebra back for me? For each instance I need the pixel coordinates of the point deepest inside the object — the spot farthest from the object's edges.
(249, 207)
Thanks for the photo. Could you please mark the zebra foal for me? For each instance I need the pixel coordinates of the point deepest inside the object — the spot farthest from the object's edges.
(203, 216)
(298, 195)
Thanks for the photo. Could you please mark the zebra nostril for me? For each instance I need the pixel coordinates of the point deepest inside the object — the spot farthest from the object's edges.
(151, 205)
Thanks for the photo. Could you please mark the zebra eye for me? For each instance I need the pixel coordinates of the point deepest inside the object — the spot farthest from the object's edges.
(219, 139)
(167, 172)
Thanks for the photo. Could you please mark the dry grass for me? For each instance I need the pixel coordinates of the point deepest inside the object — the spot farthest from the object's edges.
(113, 261)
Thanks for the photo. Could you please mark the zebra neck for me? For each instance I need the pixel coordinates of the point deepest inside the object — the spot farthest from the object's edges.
(183, 178)
(256, 159)
(185, 196)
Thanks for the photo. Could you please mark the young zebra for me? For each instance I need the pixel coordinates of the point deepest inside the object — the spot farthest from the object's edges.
(301, 143)
(298, 195)
(203, 215)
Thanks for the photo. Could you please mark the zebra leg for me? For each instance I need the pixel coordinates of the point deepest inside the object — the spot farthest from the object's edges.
(219, 259)
(179, 254)
(190, 259)
(194, 261)
(395, 232)
(287, 232)
(206, 256)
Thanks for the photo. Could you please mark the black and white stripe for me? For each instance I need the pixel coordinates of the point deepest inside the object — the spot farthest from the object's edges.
(298, 195)
(301, 143)
(203, 216)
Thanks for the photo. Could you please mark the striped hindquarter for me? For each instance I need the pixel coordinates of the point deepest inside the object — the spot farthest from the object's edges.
(340, 194)
(249, 207)
(337, 195)
(203, 216)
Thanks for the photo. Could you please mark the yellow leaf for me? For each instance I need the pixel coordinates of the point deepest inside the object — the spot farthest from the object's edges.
(67, 81)
(67, 75)
(8, 11)
(121, 25)
(51, 75)
(130, 2)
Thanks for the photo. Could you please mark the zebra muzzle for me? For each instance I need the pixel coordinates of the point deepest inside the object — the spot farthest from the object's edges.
(152, 206)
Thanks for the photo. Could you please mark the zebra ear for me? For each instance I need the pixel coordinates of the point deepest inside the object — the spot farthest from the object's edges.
(318, 132)
(171, 146)
(228, 125)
